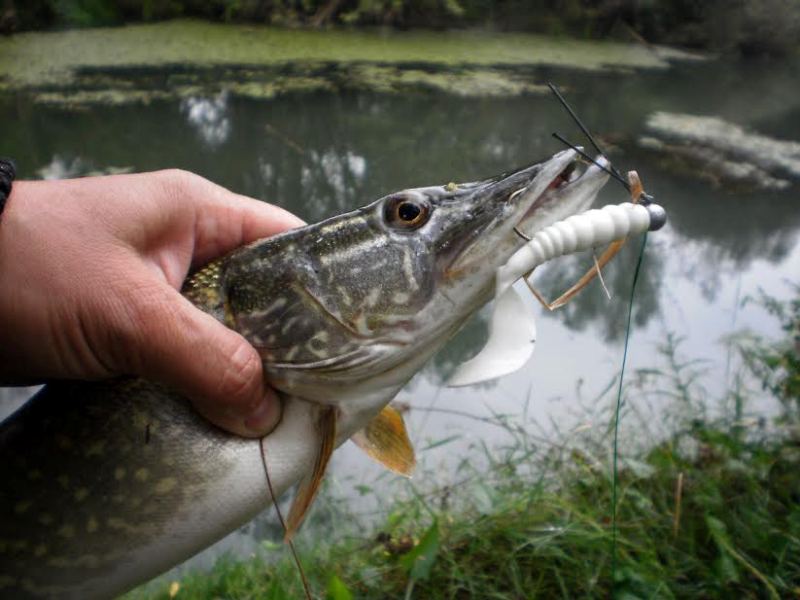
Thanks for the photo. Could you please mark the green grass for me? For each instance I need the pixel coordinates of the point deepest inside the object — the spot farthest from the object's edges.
(737, 535)
(711, 510)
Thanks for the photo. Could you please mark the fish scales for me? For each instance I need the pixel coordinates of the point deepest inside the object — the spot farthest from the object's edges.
(107, 484)
(99, 467)
(291, 307)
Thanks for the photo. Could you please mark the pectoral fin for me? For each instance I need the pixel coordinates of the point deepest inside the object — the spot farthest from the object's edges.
(512, 338)
(385, 440)
(309, 486)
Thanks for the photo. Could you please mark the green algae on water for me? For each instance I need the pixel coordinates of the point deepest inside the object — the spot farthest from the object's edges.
(54, 58)
(121, 86)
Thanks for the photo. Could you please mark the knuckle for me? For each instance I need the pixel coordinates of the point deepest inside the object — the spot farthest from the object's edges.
(180, 183)
(241, 374)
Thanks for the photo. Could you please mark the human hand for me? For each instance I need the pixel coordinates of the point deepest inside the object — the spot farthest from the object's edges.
(90, 272)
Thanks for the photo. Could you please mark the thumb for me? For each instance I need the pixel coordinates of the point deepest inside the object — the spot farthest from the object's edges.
(214, 366)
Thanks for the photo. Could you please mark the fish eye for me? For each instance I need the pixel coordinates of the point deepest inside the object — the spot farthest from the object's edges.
(406, 213)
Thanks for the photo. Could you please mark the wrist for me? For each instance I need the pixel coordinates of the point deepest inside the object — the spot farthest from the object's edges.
(8, 172)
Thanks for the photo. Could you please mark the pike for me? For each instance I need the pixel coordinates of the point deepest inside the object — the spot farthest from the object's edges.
(107, 484)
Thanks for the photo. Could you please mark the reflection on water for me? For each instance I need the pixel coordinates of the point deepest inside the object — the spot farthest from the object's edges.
(321, 154)
(62, 168)
(209, 116)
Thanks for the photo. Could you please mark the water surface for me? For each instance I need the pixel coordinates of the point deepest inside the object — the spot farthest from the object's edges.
(319, 154)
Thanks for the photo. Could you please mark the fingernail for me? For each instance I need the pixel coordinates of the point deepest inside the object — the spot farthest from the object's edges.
(264, 417)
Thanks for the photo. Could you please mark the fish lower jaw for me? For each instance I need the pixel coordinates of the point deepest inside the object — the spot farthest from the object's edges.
(575, 198)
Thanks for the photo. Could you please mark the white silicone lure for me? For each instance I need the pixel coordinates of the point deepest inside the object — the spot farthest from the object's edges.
(512, 329)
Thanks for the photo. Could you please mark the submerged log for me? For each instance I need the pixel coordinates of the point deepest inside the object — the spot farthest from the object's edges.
(723, 152)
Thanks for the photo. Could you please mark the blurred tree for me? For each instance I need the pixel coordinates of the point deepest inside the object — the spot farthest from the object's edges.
(745, 26)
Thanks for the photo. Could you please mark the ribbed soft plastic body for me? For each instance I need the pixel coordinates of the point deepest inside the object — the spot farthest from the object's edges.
(596, 227)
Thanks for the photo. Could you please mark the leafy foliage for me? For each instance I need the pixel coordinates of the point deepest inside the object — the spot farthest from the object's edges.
(748, 26)
(778, 365)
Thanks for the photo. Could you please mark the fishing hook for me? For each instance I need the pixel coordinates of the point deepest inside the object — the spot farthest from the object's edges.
(632, 184)
(527, 238)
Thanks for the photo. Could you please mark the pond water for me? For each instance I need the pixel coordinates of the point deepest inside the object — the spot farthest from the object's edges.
(318, 154)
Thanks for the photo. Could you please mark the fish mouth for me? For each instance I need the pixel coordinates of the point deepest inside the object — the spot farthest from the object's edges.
(571, 173)
(521, 184)
(573, 190)
(492, 208)
(532, 189)
(503, 212)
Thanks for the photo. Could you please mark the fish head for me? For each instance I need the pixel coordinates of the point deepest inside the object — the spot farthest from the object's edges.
(489, 220)
(357, 303)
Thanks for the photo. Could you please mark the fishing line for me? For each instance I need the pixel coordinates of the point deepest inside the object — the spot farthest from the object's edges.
(303, 578)
(575, 118)
(613, 172)
(617, 408)
(579, 123)
(644, 198)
